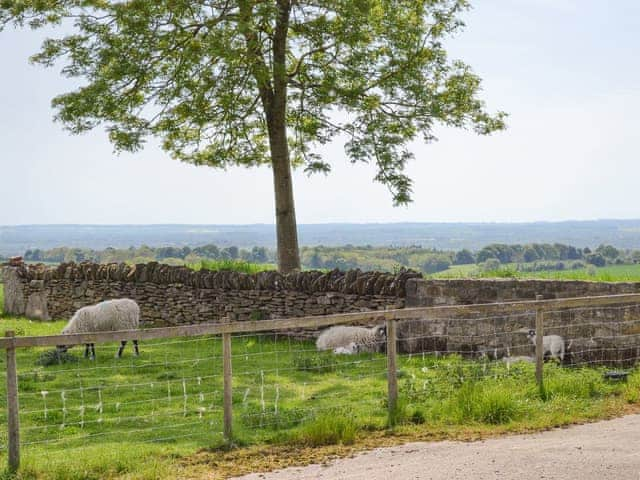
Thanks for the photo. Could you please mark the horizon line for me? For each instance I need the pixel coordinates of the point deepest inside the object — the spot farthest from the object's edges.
(533, 222)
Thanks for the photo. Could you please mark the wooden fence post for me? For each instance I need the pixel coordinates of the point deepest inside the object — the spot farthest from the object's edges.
(13, 417)
(228, 389)
(539, 347)
(392, 370)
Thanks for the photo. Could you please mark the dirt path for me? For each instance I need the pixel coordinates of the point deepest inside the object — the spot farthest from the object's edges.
(597, 451)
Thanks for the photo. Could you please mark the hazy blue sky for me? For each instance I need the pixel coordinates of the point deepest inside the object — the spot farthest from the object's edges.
(567, 71)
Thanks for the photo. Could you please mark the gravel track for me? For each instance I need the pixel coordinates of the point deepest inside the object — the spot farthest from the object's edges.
(597, 451)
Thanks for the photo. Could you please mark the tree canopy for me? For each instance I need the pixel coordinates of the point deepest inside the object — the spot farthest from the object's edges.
(263, 82)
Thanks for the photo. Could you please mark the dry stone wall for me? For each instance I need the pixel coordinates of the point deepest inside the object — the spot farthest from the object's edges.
(178, 295)
(171, 295)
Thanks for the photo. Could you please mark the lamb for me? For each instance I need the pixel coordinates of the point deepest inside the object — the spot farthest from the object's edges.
(363, 339)
(107, 316)
(551, 344)
(348, 350)
(518, 358)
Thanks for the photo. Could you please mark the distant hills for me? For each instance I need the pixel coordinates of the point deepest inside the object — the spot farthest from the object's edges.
(15, 240)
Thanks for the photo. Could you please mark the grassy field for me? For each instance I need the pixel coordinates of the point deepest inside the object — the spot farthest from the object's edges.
(233, 265)
(159, 415)
(611, 273)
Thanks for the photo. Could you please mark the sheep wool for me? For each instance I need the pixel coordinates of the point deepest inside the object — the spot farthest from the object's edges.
(110, 315)
(551, 344)
(364, 339)
(107, 316)
(518, 358)
(350, 349)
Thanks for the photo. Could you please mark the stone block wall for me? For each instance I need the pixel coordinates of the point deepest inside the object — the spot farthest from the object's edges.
(171, 295)
(177, 295)
(429, 293)
(603, 335)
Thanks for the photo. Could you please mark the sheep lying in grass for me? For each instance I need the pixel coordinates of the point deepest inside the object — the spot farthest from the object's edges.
(348, 350)
(551, 344)
(107, 316)
(517, 359)
(349, 340)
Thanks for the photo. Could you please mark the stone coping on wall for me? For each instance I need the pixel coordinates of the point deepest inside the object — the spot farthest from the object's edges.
(347, 282)
(170, 295)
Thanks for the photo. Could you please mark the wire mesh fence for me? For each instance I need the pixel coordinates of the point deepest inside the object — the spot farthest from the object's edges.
(452, 365)
(483, 368)
(168, 392)
(607, 336)
(173, 392)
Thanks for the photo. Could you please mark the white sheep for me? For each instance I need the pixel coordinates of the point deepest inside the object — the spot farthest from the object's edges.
(107, 316)
(363, 339)
(350, 349)
(551, 344)
(518, 358)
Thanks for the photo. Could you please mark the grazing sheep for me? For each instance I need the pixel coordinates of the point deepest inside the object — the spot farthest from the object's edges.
(107, 316)
(364, 339)
(551, 344)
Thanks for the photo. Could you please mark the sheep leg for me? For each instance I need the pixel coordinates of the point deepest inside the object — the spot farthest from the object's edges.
(135, 347)
(93, 351)
(86, 351)
(122, 345)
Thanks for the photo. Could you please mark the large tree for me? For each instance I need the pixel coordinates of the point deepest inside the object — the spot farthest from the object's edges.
(262, 82)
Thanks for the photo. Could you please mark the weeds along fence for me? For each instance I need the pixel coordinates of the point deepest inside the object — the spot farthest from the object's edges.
(261, 381)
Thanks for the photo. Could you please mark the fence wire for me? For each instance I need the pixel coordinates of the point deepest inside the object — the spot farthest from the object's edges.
(173, 392)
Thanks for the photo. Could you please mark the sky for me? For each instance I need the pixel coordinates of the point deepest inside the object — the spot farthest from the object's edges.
(566, 71)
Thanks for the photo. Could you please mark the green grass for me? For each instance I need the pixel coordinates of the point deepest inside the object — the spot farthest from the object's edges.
(145, 417)
(233, 265)
(457, 271)
(611, 273)
(330, 428)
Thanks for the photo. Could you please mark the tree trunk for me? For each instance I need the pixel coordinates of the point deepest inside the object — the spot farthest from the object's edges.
(273, 93)
(287, 233)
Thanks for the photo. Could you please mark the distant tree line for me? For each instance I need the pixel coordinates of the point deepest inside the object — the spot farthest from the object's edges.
(367, 257)
(555, 255)
(530, 257)
(171, 255)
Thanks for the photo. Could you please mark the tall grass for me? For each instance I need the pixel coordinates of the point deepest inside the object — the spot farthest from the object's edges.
(332, 428)
(492, 404)
(232, 265)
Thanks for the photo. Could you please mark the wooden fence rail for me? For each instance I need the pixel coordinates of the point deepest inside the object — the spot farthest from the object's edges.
(10, 343)
(314, 322)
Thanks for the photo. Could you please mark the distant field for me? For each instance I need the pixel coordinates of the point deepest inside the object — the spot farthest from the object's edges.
(234, 265)
(458, 271)
(613, 273)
